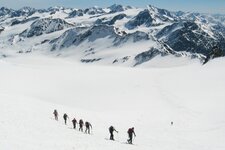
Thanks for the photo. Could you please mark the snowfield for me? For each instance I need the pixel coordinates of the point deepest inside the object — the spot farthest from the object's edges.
(147, 97)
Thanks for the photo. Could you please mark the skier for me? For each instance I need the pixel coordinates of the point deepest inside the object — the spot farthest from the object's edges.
(81, 123)
(130, 134)
(111, 130)
(74, 121)
(56, 114)
(65, 117)
(88, 126)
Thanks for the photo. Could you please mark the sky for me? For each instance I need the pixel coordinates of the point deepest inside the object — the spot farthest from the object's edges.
(206, 6)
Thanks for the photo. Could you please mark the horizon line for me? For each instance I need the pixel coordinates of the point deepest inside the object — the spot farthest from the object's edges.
(146, 7)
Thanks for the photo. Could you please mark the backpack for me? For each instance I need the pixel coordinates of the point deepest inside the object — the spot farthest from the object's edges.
(111, 128)
(55, 112)
(130, 130)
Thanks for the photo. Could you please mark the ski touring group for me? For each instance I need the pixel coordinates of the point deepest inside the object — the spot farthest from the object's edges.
(88, 127)
(74, 122)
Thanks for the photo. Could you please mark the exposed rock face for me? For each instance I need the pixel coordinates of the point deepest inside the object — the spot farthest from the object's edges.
(143, 18)
(45, 26)
(75, 13)
(78, 35)
(161, 32)
(148, 55)
(116, 8)
(187, 36)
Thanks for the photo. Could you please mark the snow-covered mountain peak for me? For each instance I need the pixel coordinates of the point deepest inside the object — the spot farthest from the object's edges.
(45, 25)
(27, 9)
(82, 32)
(56, 8)
(152, 8)
(118, 8)
(5, 11)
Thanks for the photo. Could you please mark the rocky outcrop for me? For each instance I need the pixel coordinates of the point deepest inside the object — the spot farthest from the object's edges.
(45, 26)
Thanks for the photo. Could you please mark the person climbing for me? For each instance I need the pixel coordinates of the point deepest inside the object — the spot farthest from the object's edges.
(81, 123)
(56, 114)
(74, 121)
(130, 134)
(111, 130)
(65, 117)
(88, 126)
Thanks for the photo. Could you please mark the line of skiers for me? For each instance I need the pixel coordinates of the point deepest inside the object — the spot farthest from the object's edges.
(88, 126)
(130, 134)
(74, 122)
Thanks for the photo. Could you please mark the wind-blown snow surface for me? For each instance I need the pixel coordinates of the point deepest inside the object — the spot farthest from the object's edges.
(192, 96)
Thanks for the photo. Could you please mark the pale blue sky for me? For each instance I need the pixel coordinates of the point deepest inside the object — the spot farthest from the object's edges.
(208, 6)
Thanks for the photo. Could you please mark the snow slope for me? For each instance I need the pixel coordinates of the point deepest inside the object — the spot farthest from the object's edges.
(190, 95)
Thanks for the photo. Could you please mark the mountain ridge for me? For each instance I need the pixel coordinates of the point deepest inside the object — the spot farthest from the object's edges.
(129, 30)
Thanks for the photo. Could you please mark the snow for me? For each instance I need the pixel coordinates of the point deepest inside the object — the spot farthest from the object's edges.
(148, 97)
(11, 41)
(206, 28)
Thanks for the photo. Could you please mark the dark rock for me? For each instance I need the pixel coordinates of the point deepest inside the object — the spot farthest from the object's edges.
(75, 13)
(187, 36)
(45, 26)
(148, 55)
(116, 8)
(143, 18)
(16, 21)
(90, 60)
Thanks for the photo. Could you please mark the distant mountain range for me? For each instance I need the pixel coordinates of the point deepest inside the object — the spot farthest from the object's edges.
(113, 35)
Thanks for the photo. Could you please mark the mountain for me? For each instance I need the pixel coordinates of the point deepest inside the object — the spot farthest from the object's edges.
(4, 11)
(143, 18)
(87, 11)
(78, 12)
(25, 11)
(45, 26)
(112, 20)
(94, 11)
(151, 17)
(118, 8)
(187, 36)
(78, 35)
(122, 34)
